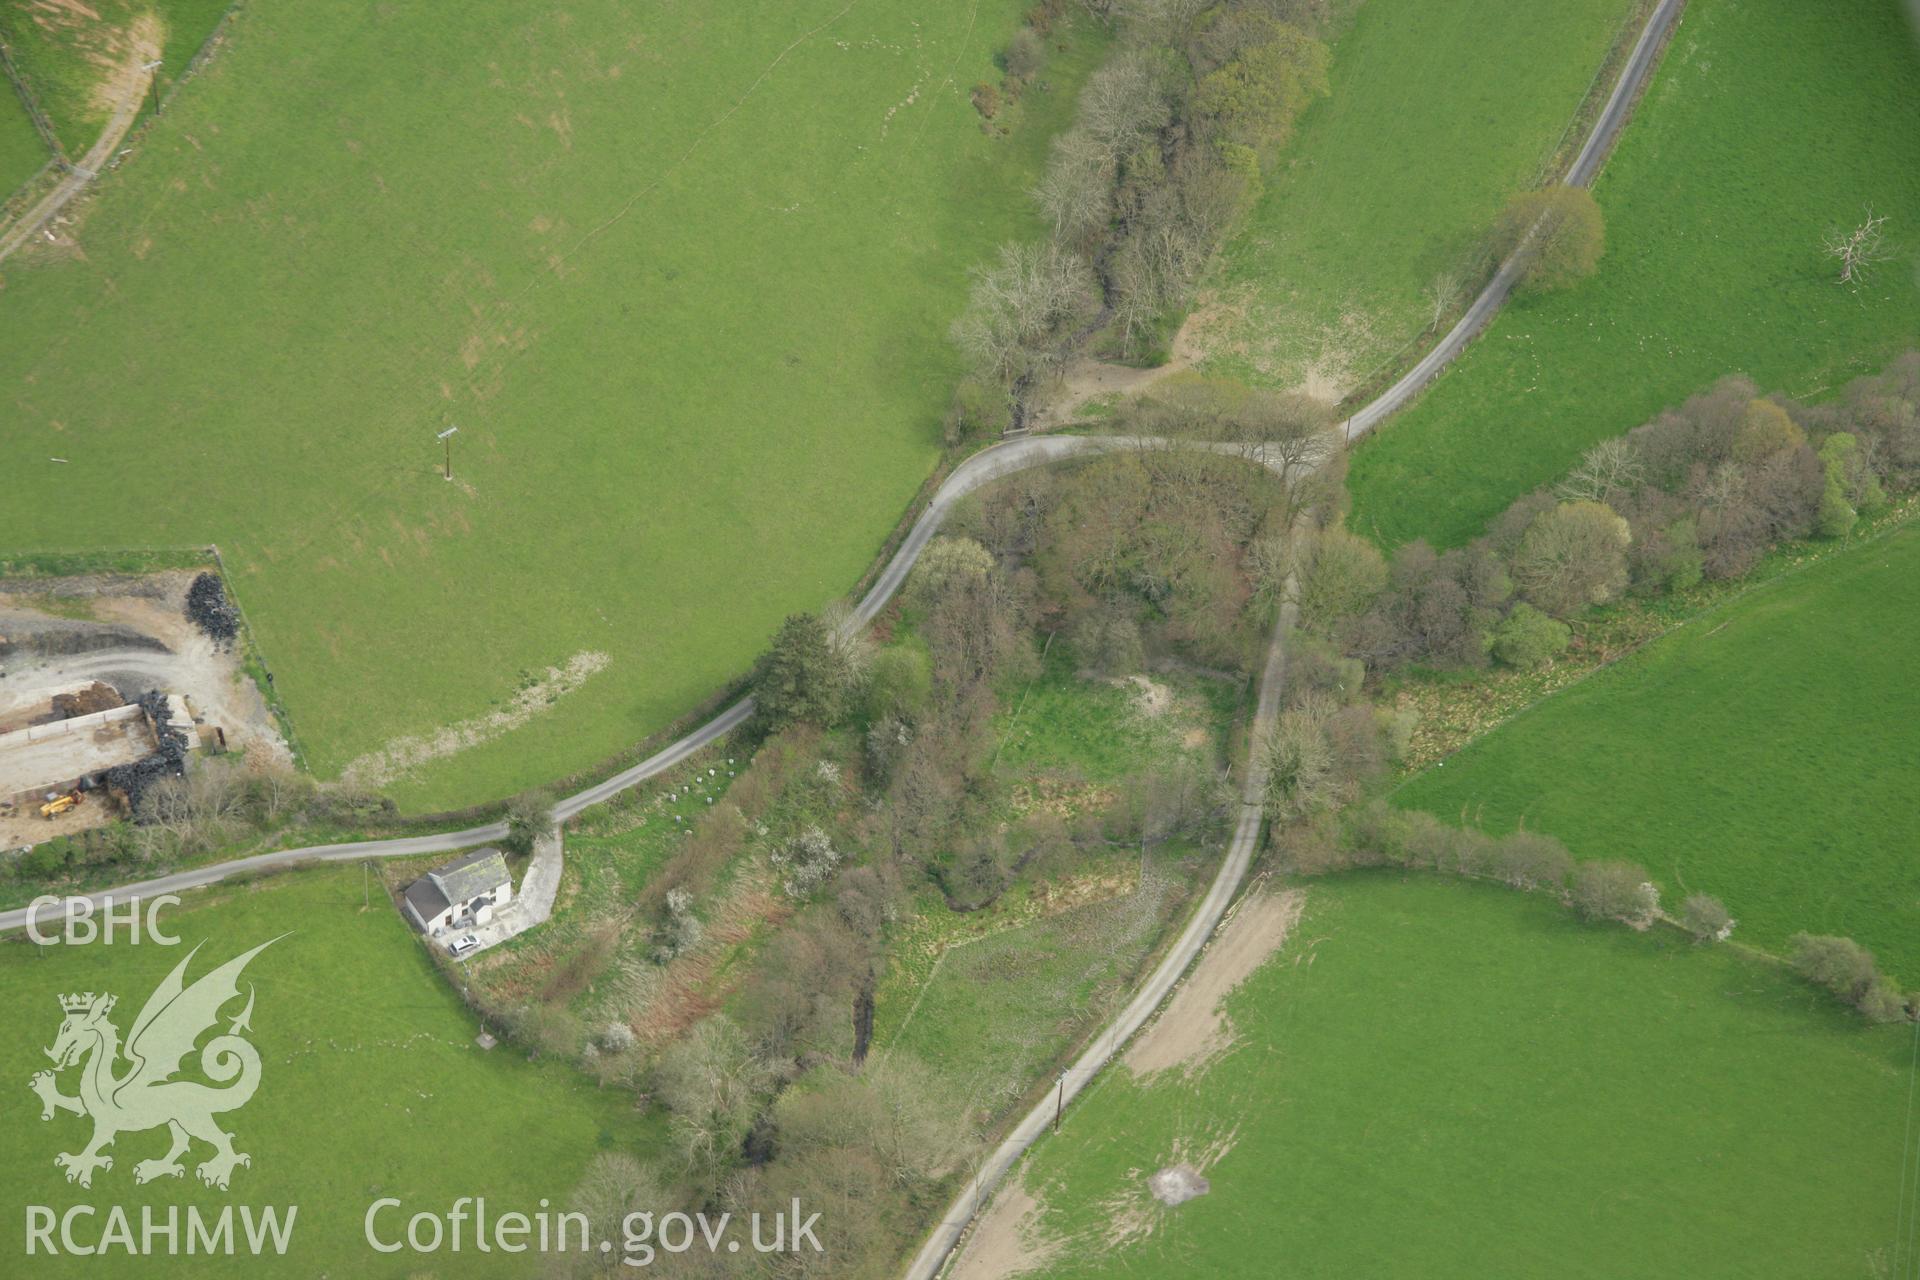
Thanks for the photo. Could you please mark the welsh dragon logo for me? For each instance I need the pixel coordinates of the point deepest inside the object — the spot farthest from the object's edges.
(145, 1095)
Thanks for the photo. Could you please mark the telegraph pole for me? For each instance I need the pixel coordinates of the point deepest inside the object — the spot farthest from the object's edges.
(153, 81)
(446, 438)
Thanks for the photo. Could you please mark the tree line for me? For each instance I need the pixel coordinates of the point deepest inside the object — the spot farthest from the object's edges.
(1167, 152)
(1701, 492)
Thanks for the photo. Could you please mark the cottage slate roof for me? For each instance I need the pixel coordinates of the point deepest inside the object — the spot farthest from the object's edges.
(424, 896)
(481, 871)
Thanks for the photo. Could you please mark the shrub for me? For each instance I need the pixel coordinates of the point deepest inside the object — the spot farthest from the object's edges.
(805, 860)
(1108, 641)
(976, 875)
(1847, 969)
(1528, 860)
(1614, 891)
(681, 931)
(1706, 918)
(1528, 638)
(1025, 52)
(886, 745)
(898, 685)
(544, 1029)
(979, 407)
(43, 861)
(529, 816)
(1559, 234)
(986, 99)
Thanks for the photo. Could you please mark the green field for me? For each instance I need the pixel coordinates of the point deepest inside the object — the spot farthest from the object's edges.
(1768, 123)
(1395, 178)
(1762, 753)
(1446, 1079)
(682, 276)
(371, 1085)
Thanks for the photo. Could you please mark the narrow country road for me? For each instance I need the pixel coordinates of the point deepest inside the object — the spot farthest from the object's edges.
(946, 1234)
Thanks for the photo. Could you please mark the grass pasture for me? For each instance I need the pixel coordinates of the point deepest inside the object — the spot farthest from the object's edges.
(1445, 1079)
(371, 1086)
(1760, 753)
(1395, 178)
(1769, 123)
(682, 276)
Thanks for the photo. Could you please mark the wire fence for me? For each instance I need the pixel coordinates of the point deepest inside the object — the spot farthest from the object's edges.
(255, 653)
(41, 125)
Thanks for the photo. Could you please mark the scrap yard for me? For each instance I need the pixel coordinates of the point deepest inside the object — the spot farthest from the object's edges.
(108, 682)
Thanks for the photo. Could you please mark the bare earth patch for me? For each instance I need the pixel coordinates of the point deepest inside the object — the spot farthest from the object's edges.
(1193, 1031)
(1006, 1241)
(1178, 1183)
(1136, 1211)
(1288, 349)
(1151, 698)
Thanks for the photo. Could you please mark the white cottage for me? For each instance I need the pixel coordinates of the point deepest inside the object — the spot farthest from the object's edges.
(462, 893)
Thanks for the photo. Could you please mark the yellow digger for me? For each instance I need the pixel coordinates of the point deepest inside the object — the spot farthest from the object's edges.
(60, 804)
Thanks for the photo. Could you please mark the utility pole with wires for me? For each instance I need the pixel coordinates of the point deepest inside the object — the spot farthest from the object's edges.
(153, 80)
(446, 438)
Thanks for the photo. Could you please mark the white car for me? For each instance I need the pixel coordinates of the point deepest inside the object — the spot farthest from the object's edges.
(461, 945)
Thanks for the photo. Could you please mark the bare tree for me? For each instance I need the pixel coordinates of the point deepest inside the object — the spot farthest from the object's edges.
(1443, 294)
(614, 1186)
(1122, 103)
(713, 1085)
(1859, 249)
(1021, 311)
(1609, 470)
(1076, 192)
(1720, 487)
